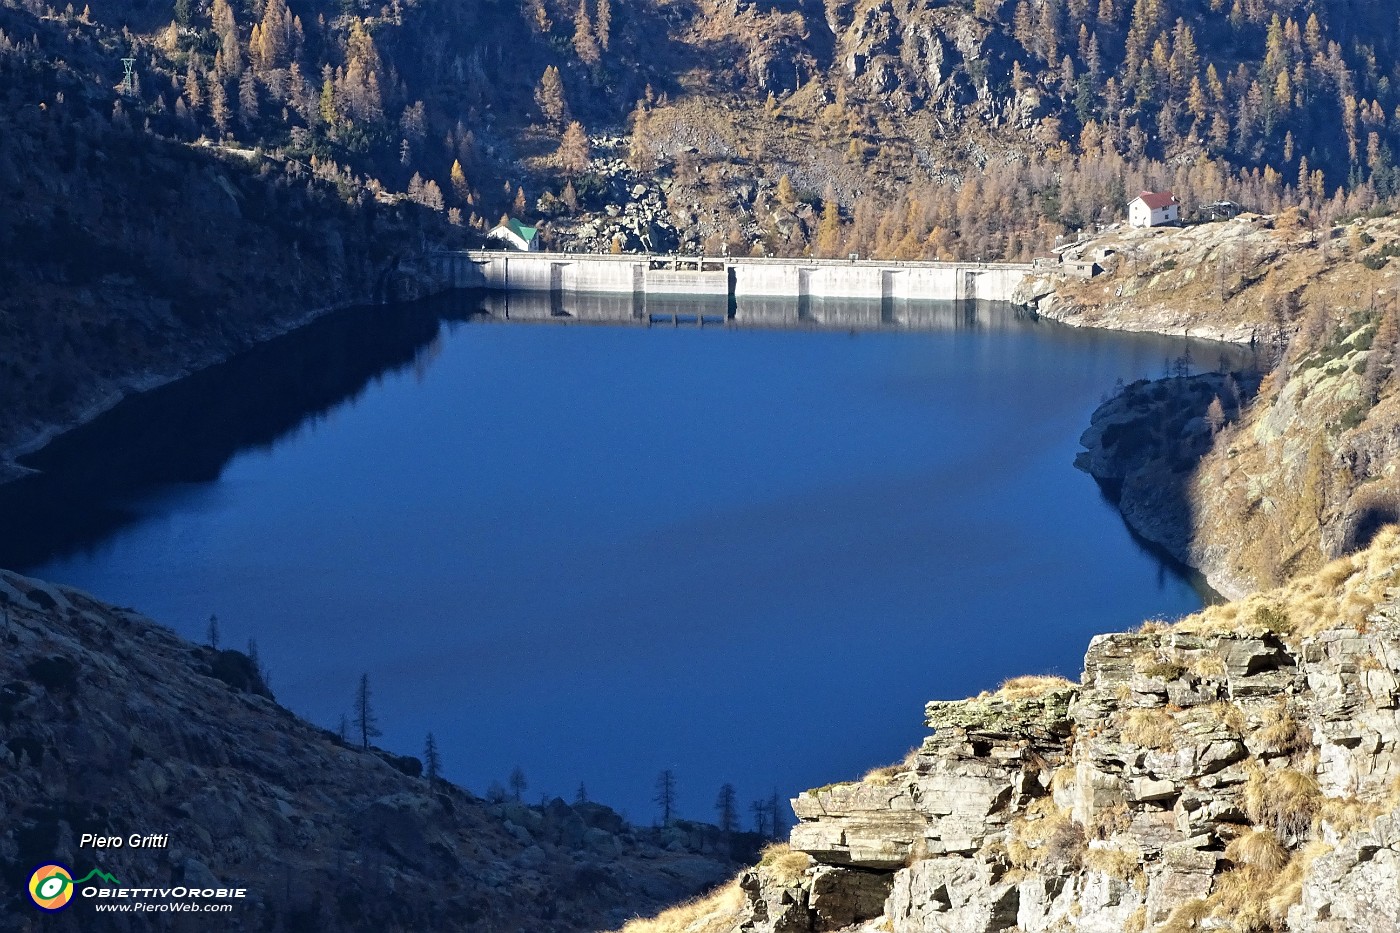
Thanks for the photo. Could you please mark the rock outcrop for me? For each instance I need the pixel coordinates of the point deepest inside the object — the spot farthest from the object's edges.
(1239, 771)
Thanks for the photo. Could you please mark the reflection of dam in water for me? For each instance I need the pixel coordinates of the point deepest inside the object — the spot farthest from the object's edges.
(713, 311)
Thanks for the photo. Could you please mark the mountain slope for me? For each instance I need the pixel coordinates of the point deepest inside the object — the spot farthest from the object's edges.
(112, 725)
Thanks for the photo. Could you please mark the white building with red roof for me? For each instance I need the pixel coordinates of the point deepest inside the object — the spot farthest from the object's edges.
(1154, 209)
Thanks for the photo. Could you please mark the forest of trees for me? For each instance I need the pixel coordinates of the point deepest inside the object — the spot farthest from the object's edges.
(478, 109)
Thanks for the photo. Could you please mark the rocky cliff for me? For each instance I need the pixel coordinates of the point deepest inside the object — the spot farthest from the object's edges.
(1238, 770)
(1269, 485)
(112, 725)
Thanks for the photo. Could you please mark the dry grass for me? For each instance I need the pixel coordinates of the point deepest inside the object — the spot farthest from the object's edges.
(719, 912)
(1280, 733)
(1045, 838)
(1110, 821)
(1156, 667)
(1150, 728)
(1340, 594)
(886, 774)
(1209, 666)
(1256, 895)
(1114, 862)
(785, 865)
(1187, 916)
(1284, 800)
(1230, 716)
(1259, 848)
(1032, 685)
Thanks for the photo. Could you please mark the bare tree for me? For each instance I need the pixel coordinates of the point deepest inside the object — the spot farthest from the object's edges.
(211, 634)
(759, 809)
(432, 761)
(666, 795)
(366, 723)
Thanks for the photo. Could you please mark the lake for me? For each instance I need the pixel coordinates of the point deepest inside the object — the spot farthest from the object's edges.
(595, 552)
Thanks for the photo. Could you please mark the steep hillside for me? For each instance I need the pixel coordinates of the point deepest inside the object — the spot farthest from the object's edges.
(129, 260)
(880, 114)
(1253, 492)
(112, 725)
(1235, 771)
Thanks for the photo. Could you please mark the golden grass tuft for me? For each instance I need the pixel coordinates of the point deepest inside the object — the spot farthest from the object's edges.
(1150, 728)
(1032, 685)
(1230, 716)
(1281, 734)
(883, 775)
(784, 864)
(1186, 917)
(1152, 666)
(1285, 800)
(719, 912)
(1114, 862)
(1287, 888)
(1259, 848)
(1209, 666)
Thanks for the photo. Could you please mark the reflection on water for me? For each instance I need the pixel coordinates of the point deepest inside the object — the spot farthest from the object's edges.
(792, 313)
(747, 552)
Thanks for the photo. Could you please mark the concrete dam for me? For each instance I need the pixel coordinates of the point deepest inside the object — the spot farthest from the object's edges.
(704, 290)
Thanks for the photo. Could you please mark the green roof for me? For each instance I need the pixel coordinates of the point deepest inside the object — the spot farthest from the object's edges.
(525, 233)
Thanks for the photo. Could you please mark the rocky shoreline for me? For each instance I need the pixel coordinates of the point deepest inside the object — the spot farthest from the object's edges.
(1143, 447)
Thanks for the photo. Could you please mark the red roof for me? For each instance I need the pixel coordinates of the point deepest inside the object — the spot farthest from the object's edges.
(1157, 200)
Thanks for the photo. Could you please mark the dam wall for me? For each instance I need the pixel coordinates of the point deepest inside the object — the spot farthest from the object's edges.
(679, 277)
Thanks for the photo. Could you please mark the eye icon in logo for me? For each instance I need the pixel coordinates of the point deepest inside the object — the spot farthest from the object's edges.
(51, 887)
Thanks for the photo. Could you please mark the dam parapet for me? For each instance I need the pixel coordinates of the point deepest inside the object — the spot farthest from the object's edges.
(730, 280)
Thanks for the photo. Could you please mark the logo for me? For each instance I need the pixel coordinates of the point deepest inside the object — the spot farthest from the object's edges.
(51, 886)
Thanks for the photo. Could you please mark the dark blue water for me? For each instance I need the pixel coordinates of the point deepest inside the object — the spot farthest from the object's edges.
(597, 552)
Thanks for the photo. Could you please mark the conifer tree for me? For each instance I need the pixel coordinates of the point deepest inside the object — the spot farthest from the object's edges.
(549, 97)
(432, 761)
(585, 45)
(366, 723)
(460, 189)
(218, 106)
(726, 808)
(604, 23)
(574, 151)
